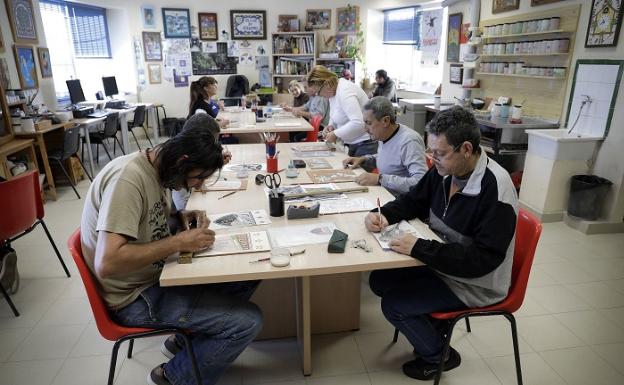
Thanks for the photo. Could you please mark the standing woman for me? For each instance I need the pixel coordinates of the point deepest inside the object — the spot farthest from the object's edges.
(346, 101)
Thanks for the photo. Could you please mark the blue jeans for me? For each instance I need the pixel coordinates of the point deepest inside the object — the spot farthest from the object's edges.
(408, 296)
(220, 318)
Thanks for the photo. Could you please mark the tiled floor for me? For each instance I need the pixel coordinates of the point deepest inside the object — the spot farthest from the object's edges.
(571, 325)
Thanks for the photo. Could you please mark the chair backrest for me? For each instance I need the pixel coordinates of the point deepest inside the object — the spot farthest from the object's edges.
(20, 204)
(315, 121)
(139, 116)
(105, 324)
(237, 85)
(110, 124)
(71, 141)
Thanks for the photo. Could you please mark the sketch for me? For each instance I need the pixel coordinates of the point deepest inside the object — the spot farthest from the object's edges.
(248, 25)
(44, 62)
(244, 166)
(347, 19)
(504, 5)
(605, 21)
(331, 176)
(148, 16)
(318, 164)
(239, 219)
(22, 20)
(338, 206)
(176, 23)
(224, 185)
(212, 63)
(207, 26)
(310, 147)
(152, 47)
(225, 244)
(394, 231)
(154, 73)
(25, 61)
(535, 3)
(319, 18)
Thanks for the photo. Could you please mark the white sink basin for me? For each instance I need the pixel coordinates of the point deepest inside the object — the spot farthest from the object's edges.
(559, 145)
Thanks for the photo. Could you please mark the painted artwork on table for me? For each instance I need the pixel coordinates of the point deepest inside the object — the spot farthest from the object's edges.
(154, 73)
(148, 16)
(331, 176)
(605, 21)
(248, 25)
(25, 61)
(152, 46)
(504, 5)
(176, 23)
(347, 19)
(22, 20)
(45, 65)
(208, 29)
(453, 37)
(318, 18)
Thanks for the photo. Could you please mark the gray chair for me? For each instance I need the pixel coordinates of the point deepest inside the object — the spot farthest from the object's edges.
(109, 132)
(68, 148)
(138, 121)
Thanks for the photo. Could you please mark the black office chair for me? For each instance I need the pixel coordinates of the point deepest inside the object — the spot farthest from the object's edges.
(68, 148)
(138, 121)
(237, 86)
(109, 132)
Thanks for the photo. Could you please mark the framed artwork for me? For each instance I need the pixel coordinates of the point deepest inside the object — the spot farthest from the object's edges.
(208, 26)
(5, 80)
(248, 25)
(535, 3)
(154, 73)
(22, 20)
(605, 21)
(148, 16)
(347, 19)
(176, 23)
(25, 61)
(44, 62)
(152, 46)
(456, 73)
(504, 5)
(1, 41)
(318, 18)
(287, 23)
(453, 37)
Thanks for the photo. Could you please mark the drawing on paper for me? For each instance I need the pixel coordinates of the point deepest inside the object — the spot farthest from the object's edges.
(331, 176)
(239, 219)
(318, 164)
(395, 231)
(225, 244)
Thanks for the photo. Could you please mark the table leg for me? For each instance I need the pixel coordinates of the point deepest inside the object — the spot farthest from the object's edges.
(46, 165)
(152, 116)
(304, 327)
(85, 131)
(123, 122)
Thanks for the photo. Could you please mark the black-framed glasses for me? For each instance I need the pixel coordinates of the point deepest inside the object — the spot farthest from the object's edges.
(435, 154)
(208, 176)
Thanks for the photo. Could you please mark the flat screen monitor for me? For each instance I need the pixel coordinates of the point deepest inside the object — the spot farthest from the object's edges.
(75, 91)
(110, 86)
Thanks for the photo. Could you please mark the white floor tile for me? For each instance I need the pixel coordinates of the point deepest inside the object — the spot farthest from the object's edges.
(546, 333)
(351, 379)
(530, 307)
(616, 315)
(68, 311)
(45, 289)
(271, 361)
(535, 371)
(565, 272)
(91, 343)
(47, 342)
(379, 353)
(557, 299)
(611, 248)
(335, 354)
(604, 269)
(11, 339)
(135, 370)
(613, 354)
(591, 327)
(31, 313)
(539, 277)
(86, 371)
(493, 338)
(598, 295)
(29, 372)
(581, 366)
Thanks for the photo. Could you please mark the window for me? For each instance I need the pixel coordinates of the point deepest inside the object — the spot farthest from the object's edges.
(89, 30)
(401, 26)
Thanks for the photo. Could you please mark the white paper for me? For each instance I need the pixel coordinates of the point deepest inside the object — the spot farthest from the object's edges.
(223, 185)
(312, 154)
(235, 167)
(251, 242)
(394, 231)
(287, 124)
(301, 235)
(345, 206)
(239, 219)
(209, 46)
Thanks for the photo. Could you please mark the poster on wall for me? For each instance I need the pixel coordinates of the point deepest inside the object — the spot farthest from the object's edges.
(605, 21)
(214, 63)
(176, 22)
(453, 36)
(44, 62)
(26, 70)
(177, 56)
(431, 32)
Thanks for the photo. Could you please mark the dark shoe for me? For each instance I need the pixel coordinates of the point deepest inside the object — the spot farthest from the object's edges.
(424, 371)
(9, 277)
(170, 347)
(157, 376)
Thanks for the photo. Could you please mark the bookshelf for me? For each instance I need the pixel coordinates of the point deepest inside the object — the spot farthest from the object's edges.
(293, 57)
(337, 65)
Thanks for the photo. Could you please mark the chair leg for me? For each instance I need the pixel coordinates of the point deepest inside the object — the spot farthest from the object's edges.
(9, 301)
(468, 325)
(130, 346)
(45, 228)
(106, 149)
(514, 337)
(85, 169)
(445, 351)
(113, 363)
(97, 153)
(396, 336)
(135, 139)
(68, 178)
(120, 146)
(191, 354)
(147, 136)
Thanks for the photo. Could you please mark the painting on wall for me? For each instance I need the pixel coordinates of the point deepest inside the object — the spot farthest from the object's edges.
(287, 23)
(605, 21)
(25, 61)
(45, 65)
(22, 20)
(248, 25)
(208, 29)
(504, 5)
(176, 23)
(318, 18)
(154, 73)
(148, 16)
(347, 19)
(535, 3)
(214, 62)
(152, 47)
(453, 37)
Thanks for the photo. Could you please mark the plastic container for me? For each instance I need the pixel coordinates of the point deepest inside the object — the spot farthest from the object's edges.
(587, 194)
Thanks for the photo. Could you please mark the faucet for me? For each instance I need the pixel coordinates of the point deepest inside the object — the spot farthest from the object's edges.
(586, 100)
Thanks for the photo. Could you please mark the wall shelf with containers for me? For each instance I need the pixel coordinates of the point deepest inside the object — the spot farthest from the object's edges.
(293, 57)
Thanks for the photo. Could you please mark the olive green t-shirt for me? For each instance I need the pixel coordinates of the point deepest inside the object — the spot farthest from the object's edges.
(126, 198)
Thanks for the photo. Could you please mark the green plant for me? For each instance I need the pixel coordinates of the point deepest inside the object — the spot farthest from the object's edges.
(354, 47)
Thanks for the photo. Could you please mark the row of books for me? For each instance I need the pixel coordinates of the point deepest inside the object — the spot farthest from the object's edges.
(292, 66)
(293, 45)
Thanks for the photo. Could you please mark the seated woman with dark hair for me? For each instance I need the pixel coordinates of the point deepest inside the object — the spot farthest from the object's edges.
(202, 92)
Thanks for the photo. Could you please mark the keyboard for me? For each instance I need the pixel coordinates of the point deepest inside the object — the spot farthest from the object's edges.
(98, 114)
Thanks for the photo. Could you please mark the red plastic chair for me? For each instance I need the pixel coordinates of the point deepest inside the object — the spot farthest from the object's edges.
(315, 121)
(108, 328)
(22, 210)
(528, 232)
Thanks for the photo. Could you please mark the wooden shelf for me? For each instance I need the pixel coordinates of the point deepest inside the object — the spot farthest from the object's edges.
(553, 32)
(311, 55)
(335, 59)
(15, 104)
(523, 76)
(524, 54)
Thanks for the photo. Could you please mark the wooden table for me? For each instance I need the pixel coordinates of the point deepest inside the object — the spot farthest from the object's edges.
(12, 147)
(315, 263)
(244, 122)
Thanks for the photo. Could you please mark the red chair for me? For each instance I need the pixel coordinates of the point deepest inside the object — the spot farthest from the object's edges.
(528, 230)
(315, 121)
(22, 210)
(107, 327)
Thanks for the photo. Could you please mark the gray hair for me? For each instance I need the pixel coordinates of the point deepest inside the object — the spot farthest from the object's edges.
(381, 106)
(458, 125)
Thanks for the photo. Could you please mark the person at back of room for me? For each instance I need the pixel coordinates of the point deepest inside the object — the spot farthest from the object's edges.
(300, 98)
(384, 86)
(203, 90)
(400, 156)
(316, 105)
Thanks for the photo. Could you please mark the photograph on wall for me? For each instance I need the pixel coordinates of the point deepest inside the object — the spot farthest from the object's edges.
(45, 65)
(605, 21)
(208, 29)
(287, 23)
(248, 25)
(5, 80)
(176, 23)
(148, 16)
(318, 18)
(25, 60)
(152, 46)
(214, 63)
(504, 5)
(154, 73)
(456, 72)
(453, 37)
(347, 19)
(22, 19)
(535, 3)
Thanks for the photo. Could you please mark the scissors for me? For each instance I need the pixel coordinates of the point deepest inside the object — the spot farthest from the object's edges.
(273, 181)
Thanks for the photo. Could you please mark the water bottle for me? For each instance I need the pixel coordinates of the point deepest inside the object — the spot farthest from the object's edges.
(268, 110)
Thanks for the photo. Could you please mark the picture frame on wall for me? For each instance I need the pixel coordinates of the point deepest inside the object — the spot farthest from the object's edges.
(152, 46)
(1, 42)
(456, 73)
(499, 6)
(248, 25)
(287, 23)
(453, 37)
(148, 16)
(5, 79)
(318, 18)
(25, 62)
(208, 27)
(535, 3)
(605, 22)
(45, 65)
(154, 73)
(176, 23)
(347, 19)
(22, 20)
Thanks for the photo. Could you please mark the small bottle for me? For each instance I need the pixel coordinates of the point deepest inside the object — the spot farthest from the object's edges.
(291, 172)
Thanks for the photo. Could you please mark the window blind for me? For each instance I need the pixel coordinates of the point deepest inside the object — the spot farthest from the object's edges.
(402, 26)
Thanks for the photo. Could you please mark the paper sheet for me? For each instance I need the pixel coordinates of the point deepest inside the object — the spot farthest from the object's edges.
(301, 235)
(239, 219)
(225, 244)
(394, 231)
(345, 206)
(318, 164)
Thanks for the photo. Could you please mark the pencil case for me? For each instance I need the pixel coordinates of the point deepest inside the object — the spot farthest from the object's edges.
(303, 211)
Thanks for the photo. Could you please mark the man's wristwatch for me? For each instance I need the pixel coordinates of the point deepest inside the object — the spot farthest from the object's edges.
(379, 179)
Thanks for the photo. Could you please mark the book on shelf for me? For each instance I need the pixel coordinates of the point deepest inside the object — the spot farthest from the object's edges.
(293, 44)
(292, 66)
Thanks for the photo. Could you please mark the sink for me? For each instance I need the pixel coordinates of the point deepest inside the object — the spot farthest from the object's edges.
(559, 145)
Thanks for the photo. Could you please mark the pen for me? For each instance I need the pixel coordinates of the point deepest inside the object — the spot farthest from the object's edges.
(379, 211)
(226, 195)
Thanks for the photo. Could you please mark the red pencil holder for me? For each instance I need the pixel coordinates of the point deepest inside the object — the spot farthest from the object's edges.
(272, 164)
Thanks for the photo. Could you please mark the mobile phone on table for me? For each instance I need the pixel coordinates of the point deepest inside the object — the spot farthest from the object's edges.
(299, 163)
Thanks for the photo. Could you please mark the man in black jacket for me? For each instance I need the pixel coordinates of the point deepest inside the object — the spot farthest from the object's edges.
(470, 202)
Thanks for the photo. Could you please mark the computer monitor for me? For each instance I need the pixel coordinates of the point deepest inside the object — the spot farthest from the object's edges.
(75, 91)
(110, 86)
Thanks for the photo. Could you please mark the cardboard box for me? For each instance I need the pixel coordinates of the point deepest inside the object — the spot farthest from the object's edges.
(43, 124)
(74, 169)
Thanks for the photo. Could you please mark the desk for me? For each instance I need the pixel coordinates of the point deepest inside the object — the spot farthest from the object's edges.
(314, 263)
(246, 123)
(150, 115)
(12, 147)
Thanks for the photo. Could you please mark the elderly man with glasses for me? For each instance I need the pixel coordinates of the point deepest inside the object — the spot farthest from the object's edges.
(471, 203)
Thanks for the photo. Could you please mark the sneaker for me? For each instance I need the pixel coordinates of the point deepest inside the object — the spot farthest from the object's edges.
(424, 371)
(9, 277)
(170, 347)
(157, 376)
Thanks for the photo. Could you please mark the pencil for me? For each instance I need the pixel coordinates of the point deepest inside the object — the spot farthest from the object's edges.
(226, 195)
(379, 211)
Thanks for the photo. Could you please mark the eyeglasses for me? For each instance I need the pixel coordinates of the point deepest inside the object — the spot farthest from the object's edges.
(208, 176)
(431, 154)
